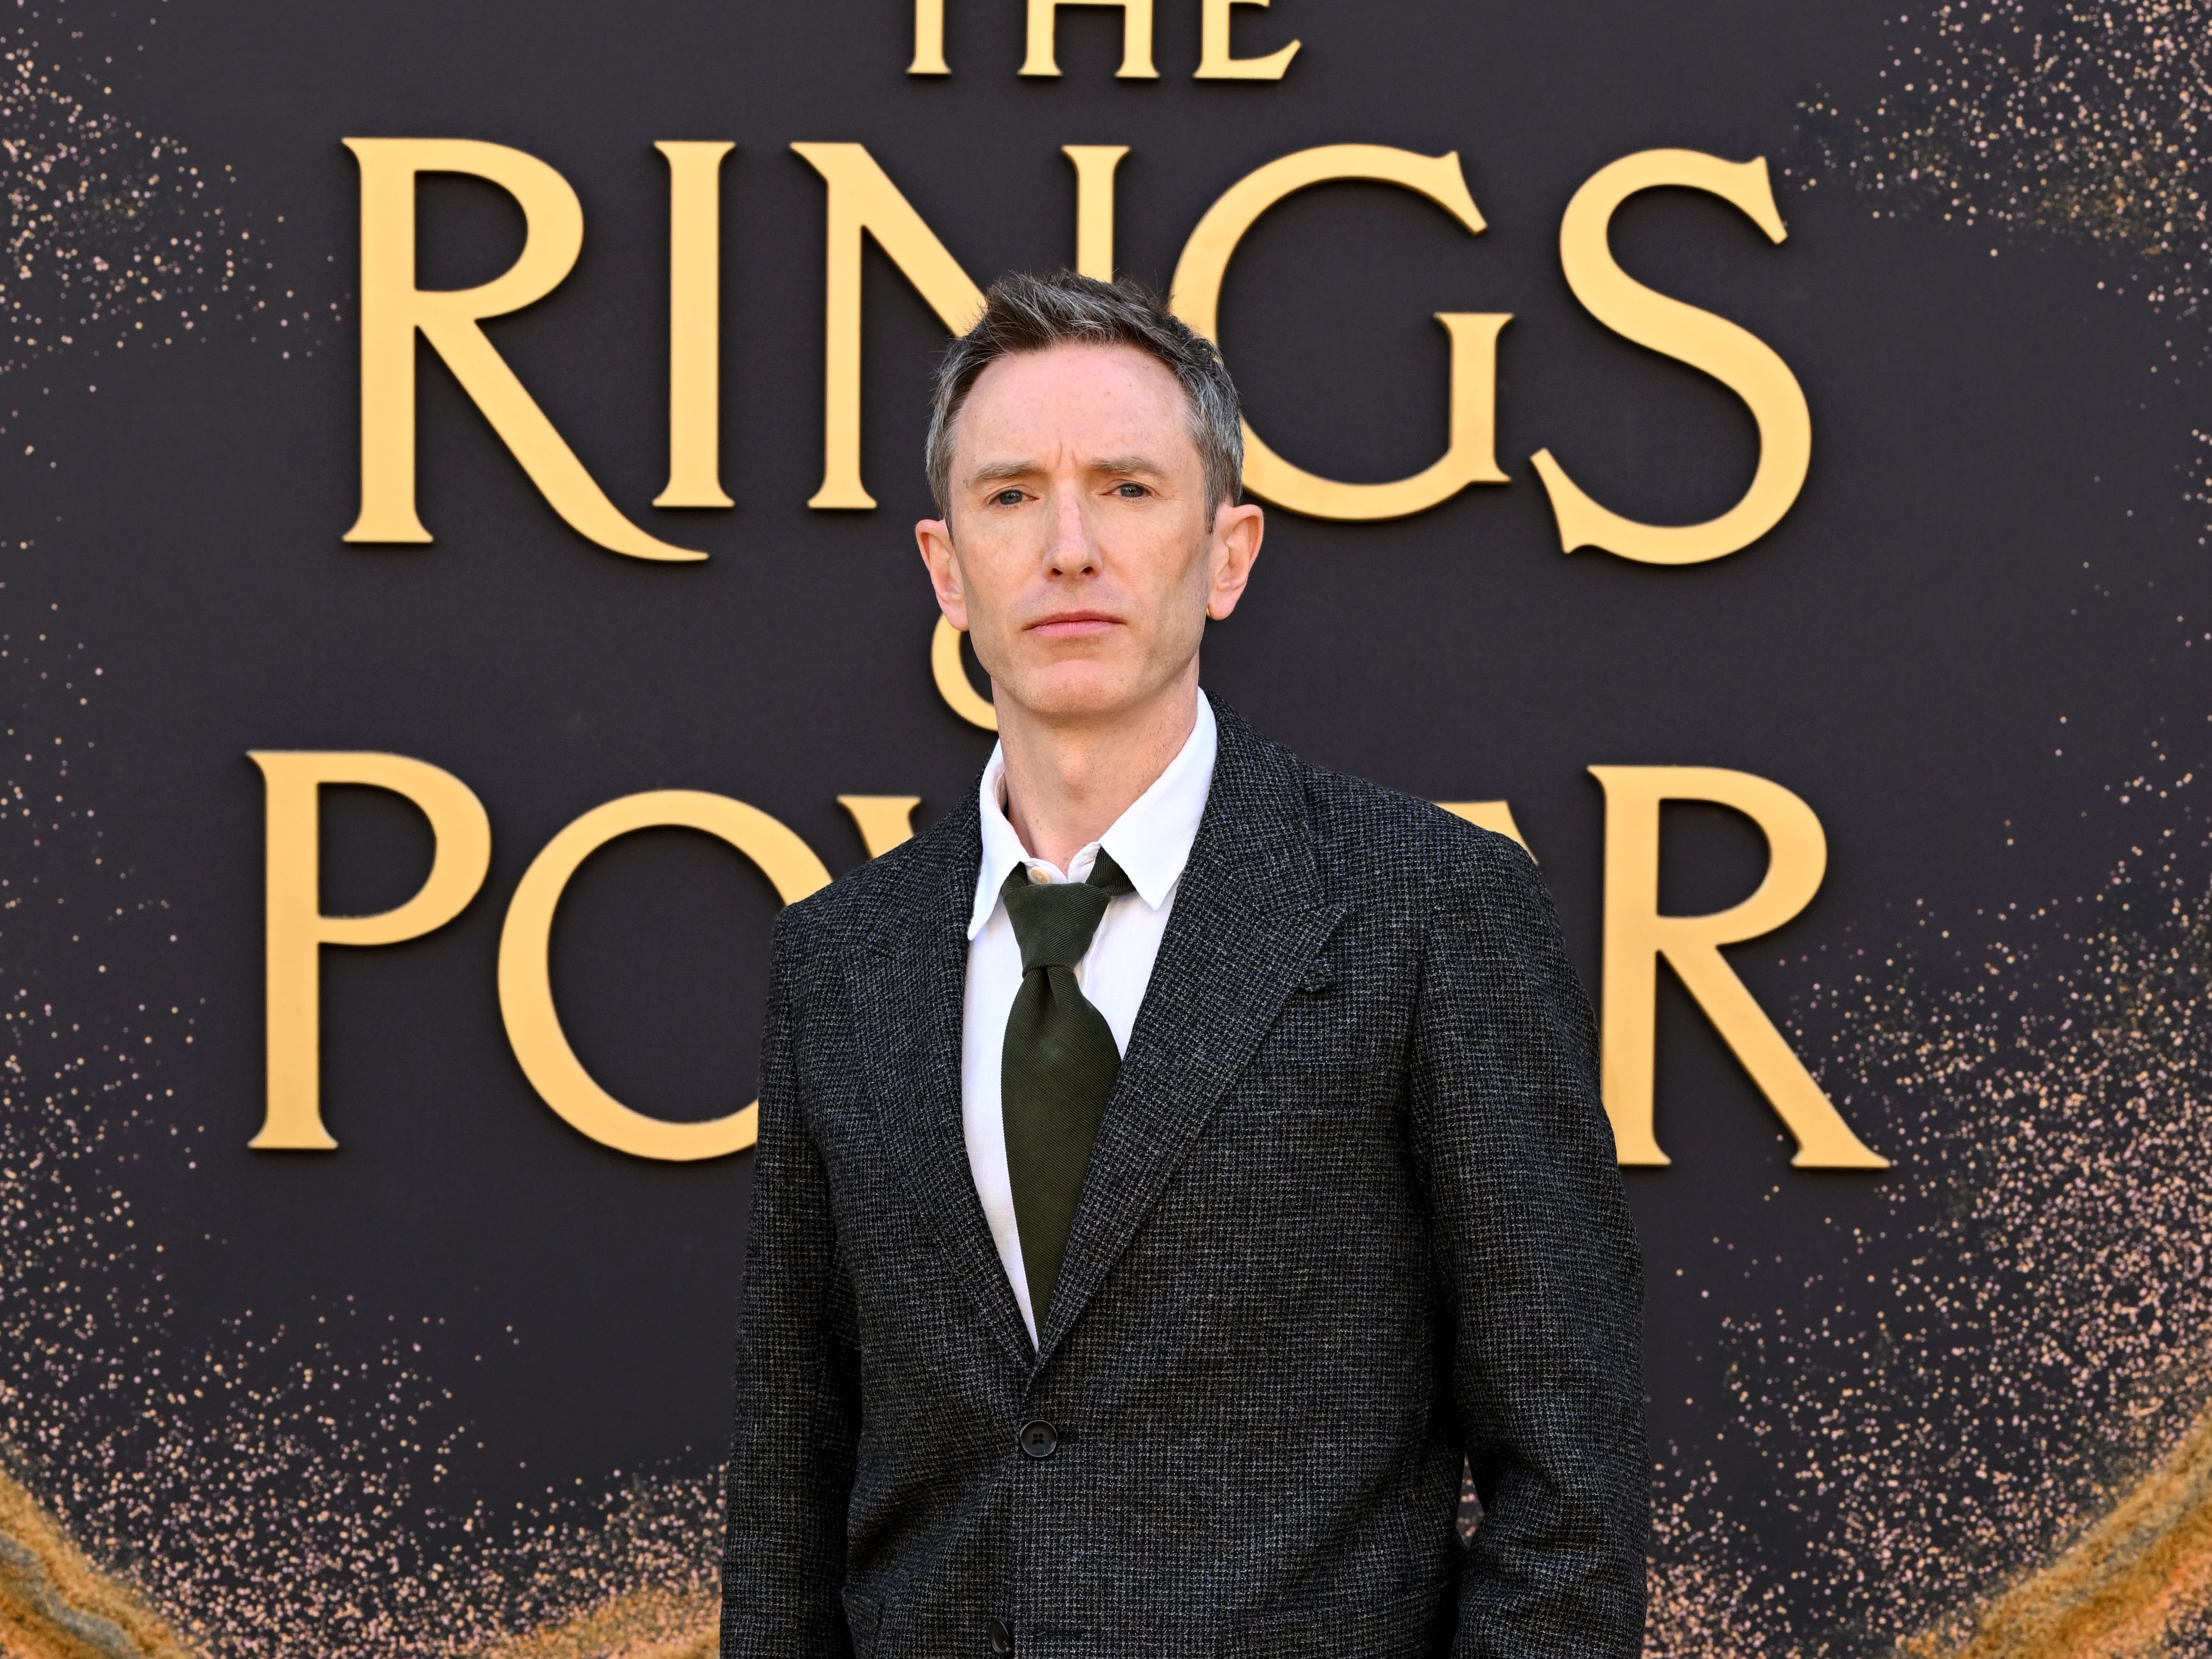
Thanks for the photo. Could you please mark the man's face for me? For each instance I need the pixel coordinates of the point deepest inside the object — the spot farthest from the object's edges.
(1076, 550)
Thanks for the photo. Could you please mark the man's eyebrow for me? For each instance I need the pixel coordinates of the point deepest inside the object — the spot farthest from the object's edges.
(1009, 471)
(1002, 471)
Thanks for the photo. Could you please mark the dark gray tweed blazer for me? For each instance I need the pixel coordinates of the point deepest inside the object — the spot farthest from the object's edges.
(1352, 1216)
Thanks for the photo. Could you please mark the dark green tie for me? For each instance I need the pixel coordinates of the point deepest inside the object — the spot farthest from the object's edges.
(1059, 1064)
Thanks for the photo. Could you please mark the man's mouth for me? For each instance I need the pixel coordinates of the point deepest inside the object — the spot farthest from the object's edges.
(1073, 624)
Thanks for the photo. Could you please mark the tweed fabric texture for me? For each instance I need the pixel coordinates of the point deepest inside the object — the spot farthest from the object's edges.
(1352, 1214)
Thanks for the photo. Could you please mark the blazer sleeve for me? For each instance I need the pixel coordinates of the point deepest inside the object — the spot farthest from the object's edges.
(797, 1403)
(1538, 1265)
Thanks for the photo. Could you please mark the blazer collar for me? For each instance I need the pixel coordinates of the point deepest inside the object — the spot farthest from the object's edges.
(1249, 920)
(911, 975)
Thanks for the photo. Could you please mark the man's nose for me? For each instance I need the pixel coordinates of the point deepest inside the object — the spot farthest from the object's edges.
(1072, 552)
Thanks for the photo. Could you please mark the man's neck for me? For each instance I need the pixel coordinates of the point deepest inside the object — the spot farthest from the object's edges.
(1067, 782)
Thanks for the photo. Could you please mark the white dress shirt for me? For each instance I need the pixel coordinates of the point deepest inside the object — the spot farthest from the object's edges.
(1152, 843)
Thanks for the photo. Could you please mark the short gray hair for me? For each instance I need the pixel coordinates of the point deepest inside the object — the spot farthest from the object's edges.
(1026, 312)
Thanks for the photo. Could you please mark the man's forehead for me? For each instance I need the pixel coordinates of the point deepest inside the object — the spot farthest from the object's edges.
(1078, 377)
(1107, 403)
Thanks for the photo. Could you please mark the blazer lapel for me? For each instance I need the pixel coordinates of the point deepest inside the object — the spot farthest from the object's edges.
(1247, 921)
(909, 980)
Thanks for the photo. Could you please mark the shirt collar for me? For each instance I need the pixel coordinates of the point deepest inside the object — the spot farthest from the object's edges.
(1150, 841)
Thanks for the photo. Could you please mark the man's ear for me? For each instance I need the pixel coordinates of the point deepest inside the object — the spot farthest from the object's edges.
(934, 537)
(1238, 530)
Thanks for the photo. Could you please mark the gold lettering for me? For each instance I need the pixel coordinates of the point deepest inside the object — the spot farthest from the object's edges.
(1734, 356)
(928, 39)
(392, 310)
(1214, 63)
(1094, 206)
(297, 929)
(1470, 456)
(1637, 936)
(883, 821)
(695, 324)
(953, 685)
(1136, 38)
(1490, 815)
(526, 987)
(862, 198)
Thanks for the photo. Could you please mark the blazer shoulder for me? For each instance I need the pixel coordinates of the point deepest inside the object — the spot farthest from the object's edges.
(851, 904)
(1368, 839)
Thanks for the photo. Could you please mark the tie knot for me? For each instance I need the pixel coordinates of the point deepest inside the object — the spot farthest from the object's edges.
(1055, 921)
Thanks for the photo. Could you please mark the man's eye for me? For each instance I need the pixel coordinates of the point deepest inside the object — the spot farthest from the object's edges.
(1130, 492)
(1007, 498)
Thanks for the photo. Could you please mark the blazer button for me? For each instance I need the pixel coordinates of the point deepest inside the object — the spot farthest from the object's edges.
(1001, 1639)
(1038, 1440)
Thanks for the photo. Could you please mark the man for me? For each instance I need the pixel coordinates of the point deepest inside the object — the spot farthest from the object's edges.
(1178, 1163)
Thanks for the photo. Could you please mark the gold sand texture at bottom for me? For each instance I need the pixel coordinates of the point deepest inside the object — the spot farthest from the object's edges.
(645, 1625)
(54, 1604)
(2122, 1589)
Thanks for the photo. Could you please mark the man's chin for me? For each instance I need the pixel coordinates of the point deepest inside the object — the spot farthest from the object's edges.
(1073, 692)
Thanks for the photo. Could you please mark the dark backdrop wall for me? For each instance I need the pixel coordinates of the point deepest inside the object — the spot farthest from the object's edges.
(462, 1383)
